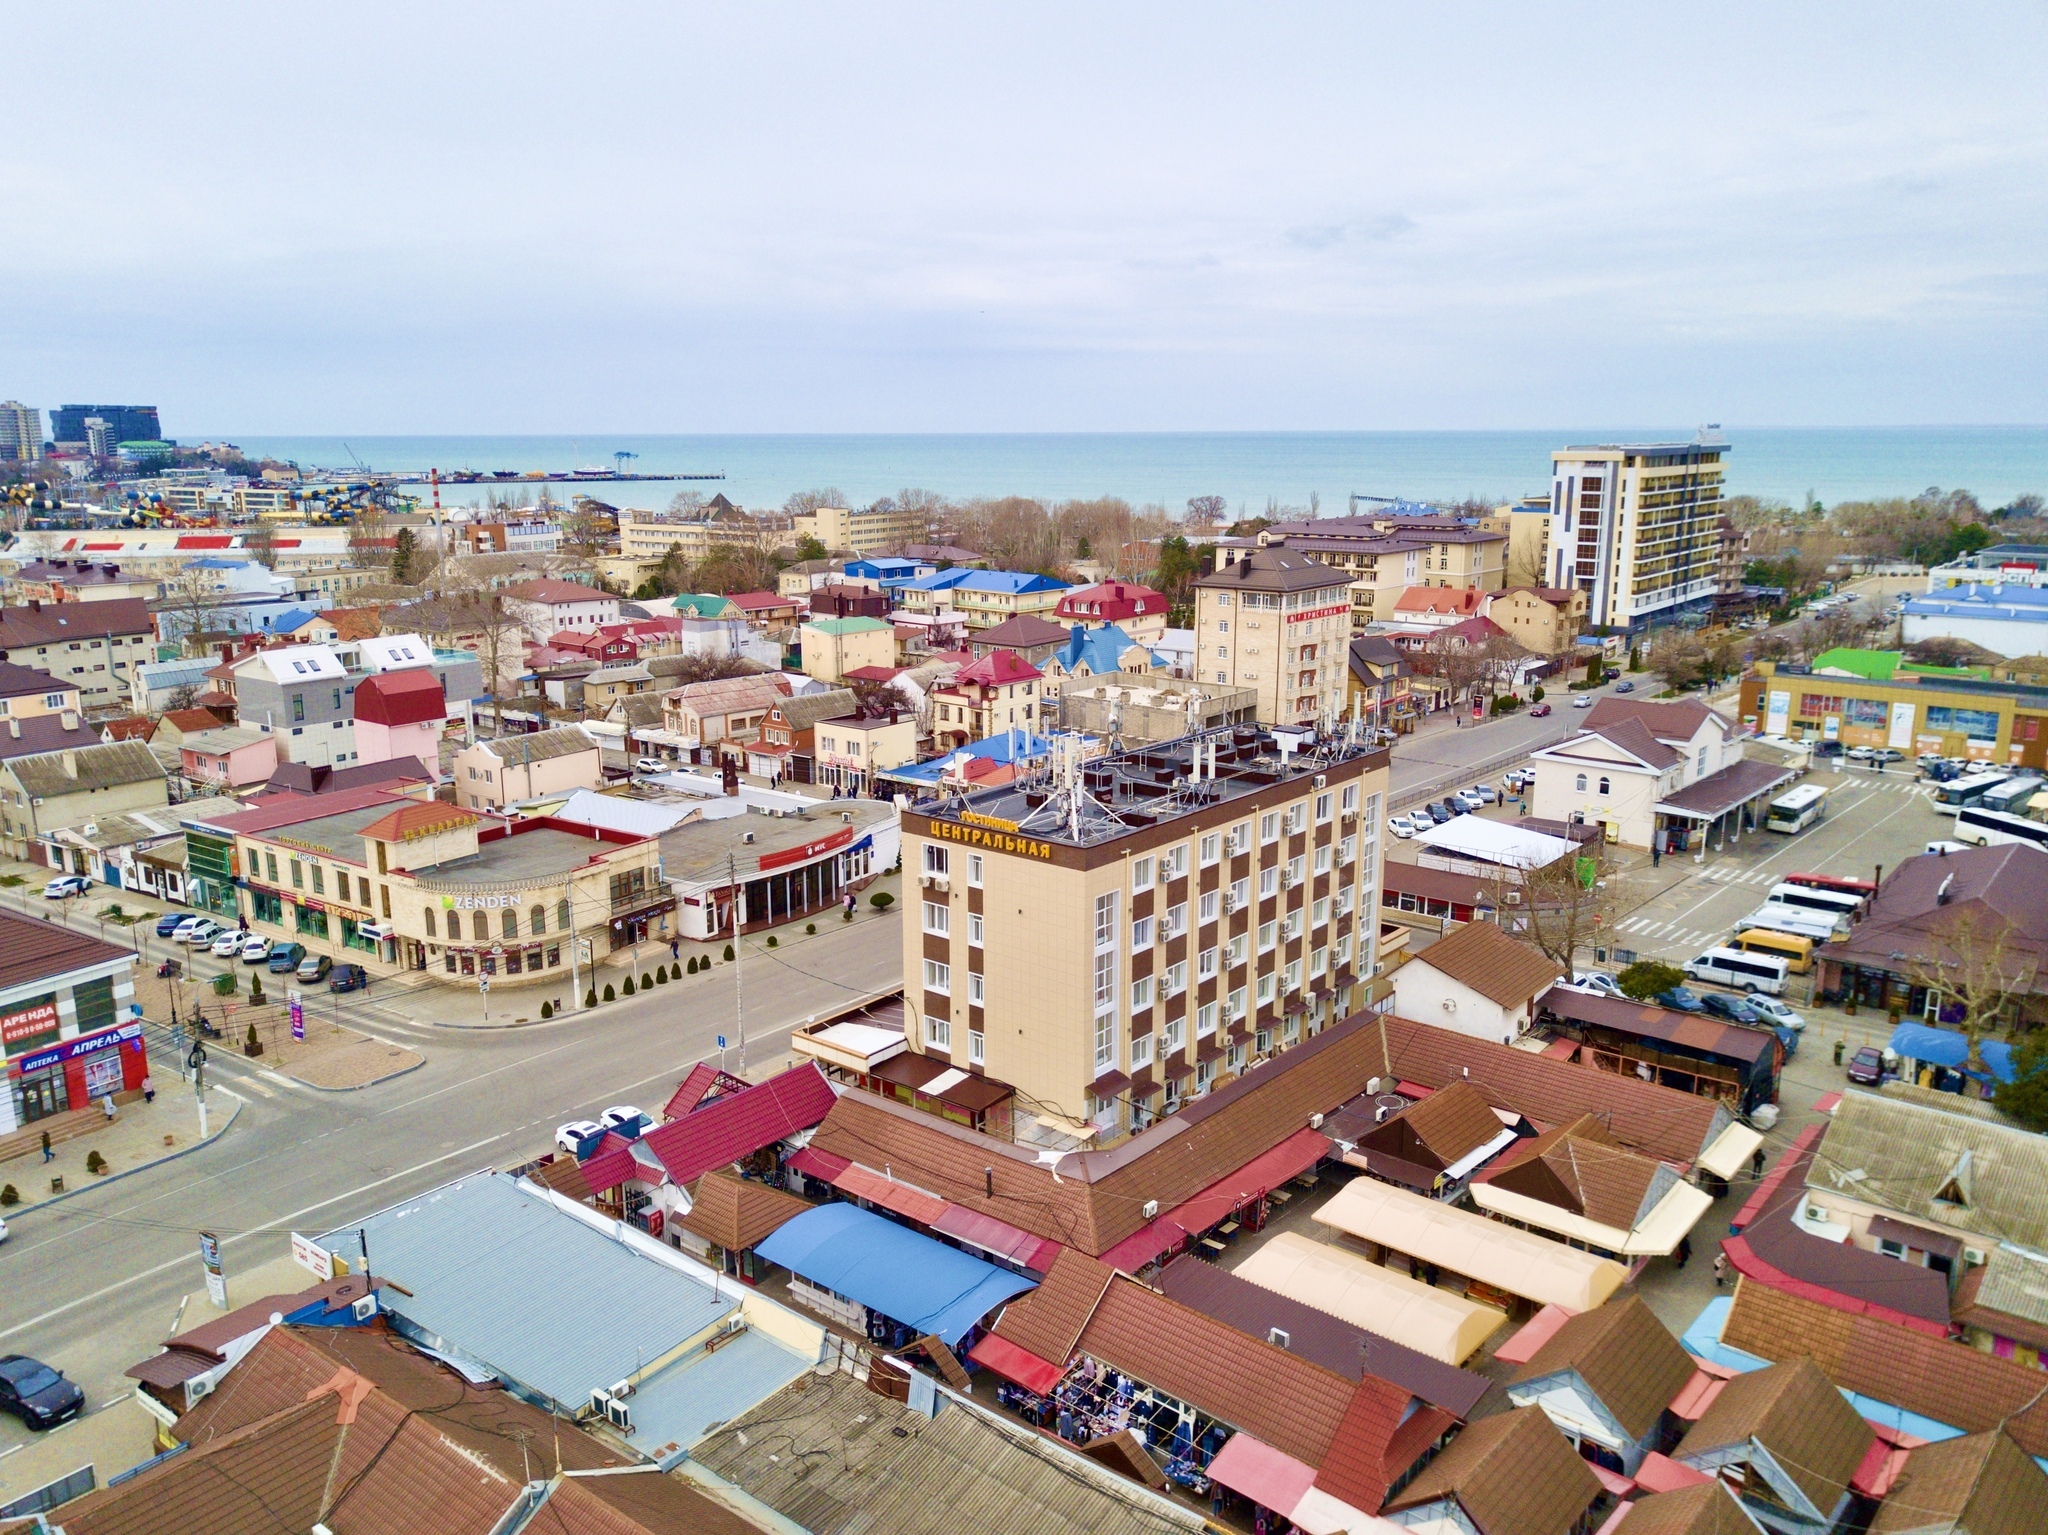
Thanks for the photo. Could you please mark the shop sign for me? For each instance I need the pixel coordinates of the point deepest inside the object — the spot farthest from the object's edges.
(1312, 613)
(216, 1280)
(28, 1023)
(85, 1044)
(808, 851)
(312, 1257)
(995, 841)
(477, 902)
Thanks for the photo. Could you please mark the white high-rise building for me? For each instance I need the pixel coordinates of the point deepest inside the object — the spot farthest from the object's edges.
(1636, 526)
(21, 431)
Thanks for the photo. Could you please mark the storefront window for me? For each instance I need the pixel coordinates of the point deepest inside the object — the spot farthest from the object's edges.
(533, 960)
(469, 964)
(95, 1003)
(554, 955)
(265, 906)
(512, 963)
(450, 958)
(310, 921)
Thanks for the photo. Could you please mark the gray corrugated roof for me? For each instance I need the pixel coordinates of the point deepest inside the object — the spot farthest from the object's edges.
(563, 741)
(101, 766)
(500, 1274)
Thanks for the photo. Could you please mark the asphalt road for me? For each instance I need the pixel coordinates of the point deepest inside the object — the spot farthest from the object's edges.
(90, 1285)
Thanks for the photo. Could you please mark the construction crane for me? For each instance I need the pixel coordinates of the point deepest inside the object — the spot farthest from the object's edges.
(619, 458)
(1358, 496)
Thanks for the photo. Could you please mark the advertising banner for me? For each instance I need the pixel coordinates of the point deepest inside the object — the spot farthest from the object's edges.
(1902, 727)
(1779, 715)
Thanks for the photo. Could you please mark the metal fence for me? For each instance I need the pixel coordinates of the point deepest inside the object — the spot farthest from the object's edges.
(75, 1484)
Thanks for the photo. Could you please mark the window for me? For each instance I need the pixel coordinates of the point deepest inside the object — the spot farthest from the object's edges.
(1269, 827)
(1205, 1020)
(429, 916)
(1604, 785)
(270, 863)
(938, 978)
(1210, 900)
(1141, 994)
(1175, 922)
(974, 928)
(1212, 848)
(1141, 1051)
(1173, 863)
(562, 914)
(1297, 869)
(537, 920)
(1240, 838)
(1105, 921)
(1343, 951)
(977, 992)
(1233, 1005)
(1176, 1031)
(1105, 982)
(1269, 881)
(1323, 802)
(1205, 1073)
(1322, 860)
(1105, 1043)
(1174, 979)
(1265, 937)
(1297, 819)
(1580, 783)
(938, 1032)
(1141, 874)
(1318, 962)
(1350, 800)
(1205, 964)
(1240, 893)
(1234, 951)
(938, 918)
(1319, 912)
(298, 706)
(977, 1048)
(935, 860)
(298, 875)
(1265, 989)
(974, 868)
(1290, 926)
(1141, 934)
(1347, 850)
(1293, 975)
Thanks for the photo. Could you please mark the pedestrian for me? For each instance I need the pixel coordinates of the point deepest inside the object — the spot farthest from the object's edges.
(1684, 1251)
(1656, 855)
(107, 1103)
(1720, 1270)
(148, 1089)
(47, 1152)
(675, 948)
(1756, 1163)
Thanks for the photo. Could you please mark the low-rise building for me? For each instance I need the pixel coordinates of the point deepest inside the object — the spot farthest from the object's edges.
(1512, 1471)
(68, 1039)
(997, 693)
(700, 718)
(1543, 619)
(859, 530)
(1405, 545)
(832, 647)
(695, 534)
(1787, 1441)
(761, 871)
(27, 693)
(1090, 653)
(400, 714)
(788, 748)
(1576, 1182)
(543, 607)
(228, 757)
(77, 581)
(513, 769)
(92, 646)
(41, 792)
(1607, 1379)
(1029, 637)
(1138, 611)
(986, 598)
(1476, 980)
(853, 748)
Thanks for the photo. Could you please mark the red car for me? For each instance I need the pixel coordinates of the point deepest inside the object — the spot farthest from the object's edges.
(1539, 711)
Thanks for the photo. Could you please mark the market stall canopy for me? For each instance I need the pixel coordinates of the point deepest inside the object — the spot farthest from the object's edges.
(1347, 1286)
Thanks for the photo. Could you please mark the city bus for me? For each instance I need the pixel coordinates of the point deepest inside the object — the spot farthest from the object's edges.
(1990, 828)
(1797, 809)
(1794, 949)
(1970, 789)
(1863, 887)
(2010, 796)
(1838, 904)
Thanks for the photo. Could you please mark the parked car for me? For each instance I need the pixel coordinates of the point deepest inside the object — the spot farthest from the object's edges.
(1683, 1000)
(348, 978)
(1624, 687)
(649, 765)
(228, 944)
(1866, 1066)
(620, 1115)
(1597, 980)
(1469, 800)
(568, 1137)
(1734, 1009)
(1539, 712)
(1860, 754)
(1518, 778)
(314, 967)
(1437, 812)
(285, 957)
(202, 936)
(66, 885)
(38, 1395)
(1775, 1013)
(1401, 827)
(255, 949)
(1887, 754)
(183, 932)
(1583, 701)
(168, 924)
(1487, 793)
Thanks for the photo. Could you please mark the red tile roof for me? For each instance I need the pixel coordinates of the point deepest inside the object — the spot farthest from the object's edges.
(419, 818)
(702, 1081)
(555, 592)
(1112, 601)
(739, 1124)
(401, 698)
(997, 669)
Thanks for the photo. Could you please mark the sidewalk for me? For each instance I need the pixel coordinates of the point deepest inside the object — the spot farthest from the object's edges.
(142, 1134)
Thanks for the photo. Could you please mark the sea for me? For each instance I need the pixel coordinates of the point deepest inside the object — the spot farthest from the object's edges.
(1252, 471)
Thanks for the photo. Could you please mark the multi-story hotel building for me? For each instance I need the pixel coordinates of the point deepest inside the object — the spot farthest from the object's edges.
(650, 535)
(1121, 934)
(1276, 622)
(842, 529)
(1636, 526)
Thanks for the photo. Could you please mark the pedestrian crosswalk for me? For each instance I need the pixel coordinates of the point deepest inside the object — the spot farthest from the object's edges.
(1669, 934)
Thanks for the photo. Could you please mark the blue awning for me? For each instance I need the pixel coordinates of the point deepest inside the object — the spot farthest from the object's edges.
(891, 1269)
(1946, 1047)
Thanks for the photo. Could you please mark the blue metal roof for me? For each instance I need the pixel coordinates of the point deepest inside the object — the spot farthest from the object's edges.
(891, 1269)
(289, 619)
(1946, 1047)
(1097, 649)
(936, 581)
(683, 1403)
(1021, 747)
(1012, 581)
(501, 1276)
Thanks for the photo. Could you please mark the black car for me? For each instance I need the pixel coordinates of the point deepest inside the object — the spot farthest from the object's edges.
(38, 1395)
(348, 978)
(1734, 1009)
(1438, 812)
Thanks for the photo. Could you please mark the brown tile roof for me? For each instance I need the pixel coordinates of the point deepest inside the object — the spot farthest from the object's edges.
(1513, 1474)
(63, 622)
(737, 1213)
(419, 818)
(1931, 1376)
(1375, 1446)
(1627, 1358)
(2003, 890)
(1678, 721)
(135, 727)
(1633, 737)
(33, 951)
(1049, 1321)
(1705, 1508)
(1452, 1123)
(1275, 569)
(1580, 1168)
(1660, 1121)
(1794, 1411)
(355, 623)
(1980, 1484)
(1481, 956)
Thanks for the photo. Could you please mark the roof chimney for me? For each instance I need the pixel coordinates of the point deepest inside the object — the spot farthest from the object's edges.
(70, 718)
(35, 604)
(14, 728)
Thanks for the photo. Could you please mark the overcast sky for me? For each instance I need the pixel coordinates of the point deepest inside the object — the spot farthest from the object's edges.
(521, 217)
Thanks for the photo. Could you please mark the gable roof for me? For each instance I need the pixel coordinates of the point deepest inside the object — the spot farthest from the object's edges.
(552, 592)
(1464, 601)
(1512, 1474)
(52, 623)
(1579, 1167)
(1100, 650)
(999, 668)
(737, 1213)
(46, 733)
(738, 1124)
(806, 709)
(94, 764)
(1626, 1357)
(561, 741)
(1705, 1508)
(1027, 631)
(1979, 1484)
(1274, 568)
(1635, 738)
(21, 681)
(1452, 1123)
(1050, 1320)
(1485, 959)
(1794, 1411)
(701, 604)
(401, 698)
(418, 818)
(1676, 721)
(2004, 888)
(1111, 600)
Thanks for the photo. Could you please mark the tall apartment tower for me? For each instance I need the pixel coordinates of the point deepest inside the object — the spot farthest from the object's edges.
(1636, 526)
(1278, 623)
(123, 423)
(21, 432)
(1127, 932)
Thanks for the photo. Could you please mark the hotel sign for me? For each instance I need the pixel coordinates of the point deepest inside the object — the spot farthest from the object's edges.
(995, 841)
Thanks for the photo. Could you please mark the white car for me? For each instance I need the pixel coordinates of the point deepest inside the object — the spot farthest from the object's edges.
(1471, 799)
(202, 936)
(576, 1131)
(1597, 980)
(228, 944)
(69, 884)
(255, 950)
(620, 1114)
(650, 765)
(1401, 827)
(1583, 701)
(183, 932)
(1777, 1012)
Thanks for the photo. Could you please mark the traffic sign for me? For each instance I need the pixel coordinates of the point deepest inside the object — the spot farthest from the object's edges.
(483, 983)
(721, 1041)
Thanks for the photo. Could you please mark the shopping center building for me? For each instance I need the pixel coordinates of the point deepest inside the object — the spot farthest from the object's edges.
(66, 1021)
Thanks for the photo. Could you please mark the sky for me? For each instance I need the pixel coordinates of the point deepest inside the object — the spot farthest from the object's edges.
(879, 218)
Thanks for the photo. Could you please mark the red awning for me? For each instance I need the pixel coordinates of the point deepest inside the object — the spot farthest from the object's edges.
(1299, 1152)
(872, 1186)
(822, 1165)
(1659, 1473)
(1269, 1477)
(1533, 1334)
(609, 1169)
(998, 1237)
(1621, 1486)
(1014, 1363)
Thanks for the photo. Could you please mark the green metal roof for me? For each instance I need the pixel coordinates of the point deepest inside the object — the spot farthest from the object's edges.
(846, 625)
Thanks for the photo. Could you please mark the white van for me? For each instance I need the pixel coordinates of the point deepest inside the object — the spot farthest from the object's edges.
(1944, 845)
(1739, 971)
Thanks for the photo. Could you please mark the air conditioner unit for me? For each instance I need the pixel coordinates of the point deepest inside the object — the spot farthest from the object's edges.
(365, 1308)
(1974, 1255)
(1375, 1085)
(1150, 1210)
(1322, 780)
(621, 1390)
(1513, 897)
(1230, 906)
(601, 1402)
(1278, 1337)
(1315, 1121)
(620, 1416)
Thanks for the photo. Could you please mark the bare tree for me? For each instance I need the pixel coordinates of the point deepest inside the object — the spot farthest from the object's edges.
(470, 613)
(195, 598)
(931, 510)
(804, 502)
(1462, 665)
(366, 536)
(1560, 907)
(1977, 966)
(736, 568)
(588, 528)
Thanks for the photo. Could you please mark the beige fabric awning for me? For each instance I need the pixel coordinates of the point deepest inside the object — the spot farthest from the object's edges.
(1345, 1285)
(1730, 1149)
(1656, 1237)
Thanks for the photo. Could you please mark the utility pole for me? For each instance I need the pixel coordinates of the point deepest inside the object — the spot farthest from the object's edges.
(739, 917)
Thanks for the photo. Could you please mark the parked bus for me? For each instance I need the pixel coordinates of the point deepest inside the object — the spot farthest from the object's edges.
(1794, 949)
(1970, 789)
(1863, 887)
(2010, 797)
(1797, 809)
(1839, 904)
(1740, 971)
(1820, 926)
(1989, 828)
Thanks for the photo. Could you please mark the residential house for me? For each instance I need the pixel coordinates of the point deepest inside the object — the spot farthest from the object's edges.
(228, 757)
(1510, 1474)
(1436, 607)
(833, 601)
(1543, 619)
(513, 769)
(27, 693)
(159, 685)
(1476, 980)
(806, 576)
(77, 581)
(545, 606)
(998, 693)
(92, 646)
(41, 793)
(1029, 637)
(767, 610)
(1788, 1444)
(175, 726)
(1607, 1379)
(988, 597)
(611, 682)
(1138, 611)
(1378, 683)
(1433, 1146)
(704, 716)
(401, 715)
(832, 647)
(852, 748)
(606, 646)
(301, 694)
(705, 605)
(1088, 654)
(1383, 553)
(788, 748)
